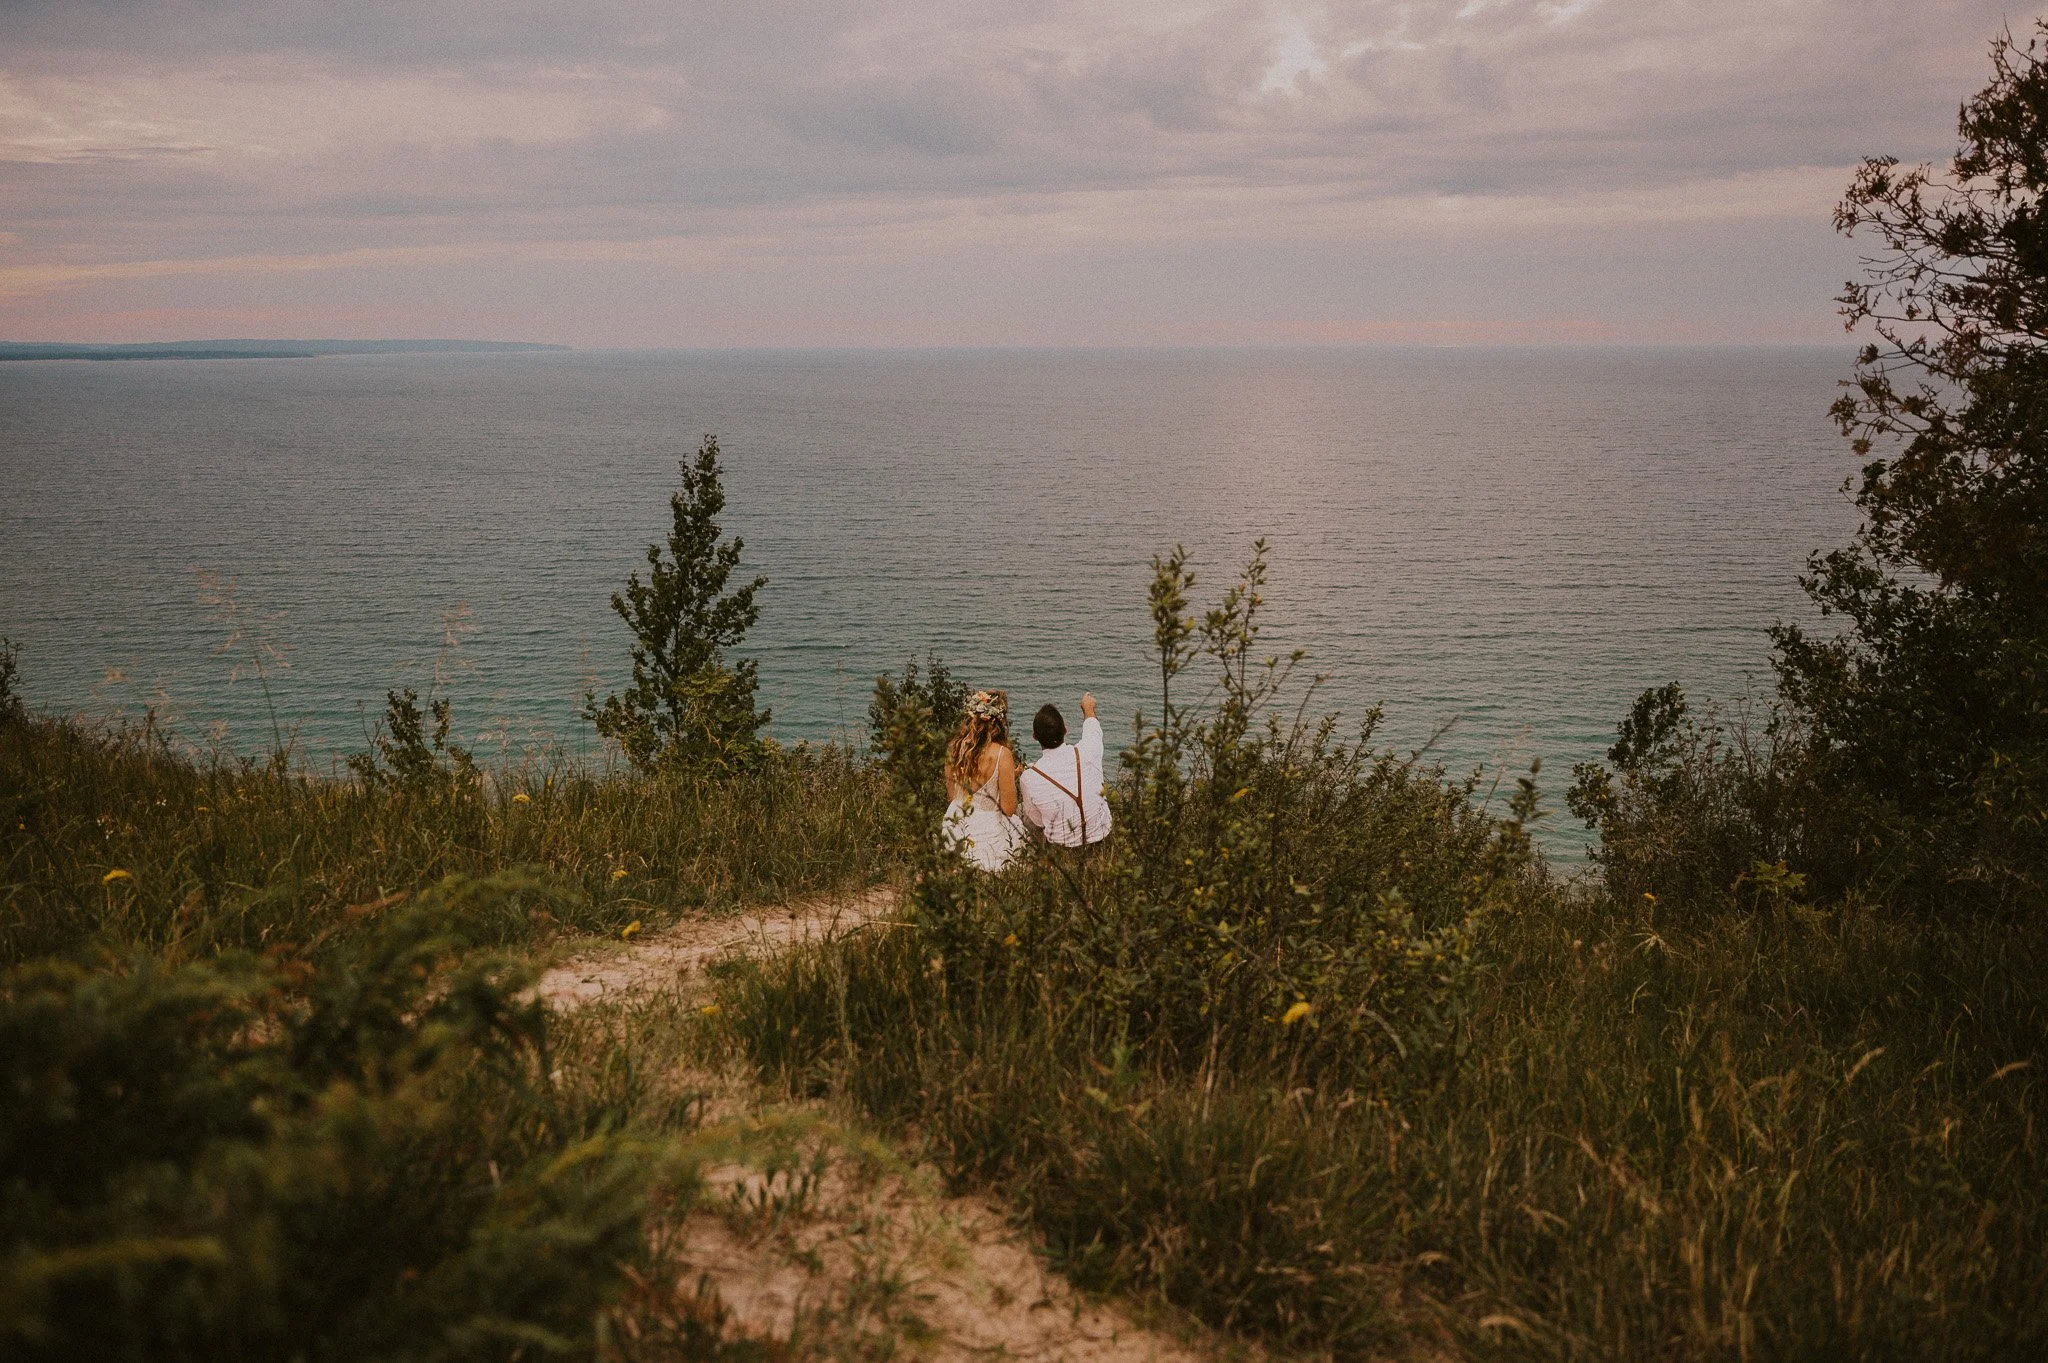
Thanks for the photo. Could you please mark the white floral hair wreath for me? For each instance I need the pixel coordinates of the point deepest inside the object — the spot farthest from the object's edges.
(988, 705)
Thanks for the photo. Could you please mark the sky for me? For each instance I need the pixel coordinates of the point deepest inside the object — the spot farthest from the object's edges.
(925, 173)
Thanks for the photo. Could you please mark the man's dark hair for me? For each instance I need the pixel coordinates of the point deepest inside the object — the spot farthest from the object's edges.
(1049, 727)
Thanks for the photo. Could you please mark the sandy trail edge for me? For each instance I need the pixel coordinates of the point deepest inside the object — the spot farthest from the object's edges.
(867, 1255)
(675, 957)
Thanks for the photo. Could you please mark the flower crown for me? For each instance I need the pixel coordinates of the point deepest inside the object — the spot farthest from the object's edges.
(988, 705)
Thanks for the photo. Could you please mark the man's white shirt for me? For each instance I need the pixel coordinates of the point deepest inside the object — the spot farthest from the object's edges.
(1048, 808)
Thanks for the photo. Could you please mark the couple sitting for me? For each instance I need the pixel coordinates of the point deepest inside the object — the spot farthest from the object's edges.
(992, 806)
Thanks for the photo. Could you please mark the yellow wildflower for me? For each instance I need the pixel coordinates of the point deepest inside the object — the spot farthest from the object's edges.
(710, 1010)
(522, 798)
(627, 932)
(116, 874)
(618, 873)
(1296, 1013)
(1011, 940)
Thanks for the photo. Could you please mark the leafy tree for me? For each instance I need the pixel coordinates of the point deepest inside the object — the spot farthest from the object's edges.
(1928, 706)
(687, 705)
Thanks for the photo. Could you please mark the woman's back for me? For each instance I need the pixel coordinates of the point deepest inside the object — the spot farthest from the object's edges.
(981, 785)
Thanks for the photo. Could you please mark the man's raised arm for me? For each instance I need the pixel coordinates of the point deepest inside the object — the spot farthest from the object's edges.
(1091, 729)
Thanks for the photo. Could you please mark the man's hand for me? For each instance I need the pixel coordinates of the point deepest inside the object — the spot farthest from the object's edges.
(1087, 705)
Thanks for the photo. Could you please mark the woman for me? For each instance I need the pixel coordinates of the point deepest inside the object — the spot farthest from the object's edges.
(981, 820)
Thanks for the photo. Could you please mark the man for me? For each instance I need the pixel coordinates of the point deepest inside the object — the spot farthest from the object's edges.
(1061, 794)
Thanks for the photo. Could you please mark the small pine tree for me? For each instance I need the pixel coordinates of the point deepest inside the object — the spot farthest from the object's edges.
(687, 705)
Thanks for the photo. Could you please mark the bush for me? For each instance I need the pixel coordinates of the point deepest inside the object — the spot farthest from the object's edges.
(910, 721)
(12, 710)
(402, 752)
(1271, 896)
(259, 1158)
(1706, 814)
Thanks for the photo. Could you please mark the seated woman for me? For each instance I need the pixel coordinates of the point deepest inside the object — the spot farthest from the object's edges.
(981, 820)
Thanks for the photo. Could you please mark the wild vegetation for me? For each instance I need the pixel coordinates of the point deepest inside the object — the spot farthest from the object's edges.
(116, 837)
(1318, 1048)
(385, 1155)
(272, 1085)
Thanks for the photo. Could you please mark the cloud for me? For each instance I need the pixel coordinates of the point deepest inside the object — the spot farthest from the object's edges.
(139, 134)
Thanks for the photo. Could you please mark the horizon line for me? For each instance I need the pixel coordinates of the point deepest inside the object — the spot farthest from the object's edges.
(558, 347)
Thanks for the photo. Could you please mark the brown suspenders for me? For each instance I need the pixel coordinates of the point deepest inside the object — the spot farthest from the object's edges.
(1073, 795)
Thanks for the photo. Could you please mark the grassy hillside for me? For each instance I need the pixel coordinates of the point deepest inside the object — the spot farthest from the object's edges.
(271, 1086)
(1317, 1049)
(1803, 1131)
(115, 838)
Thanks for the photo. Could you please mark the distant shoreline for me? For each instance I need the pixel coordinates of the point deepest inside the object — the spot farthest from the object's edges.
(247, 349)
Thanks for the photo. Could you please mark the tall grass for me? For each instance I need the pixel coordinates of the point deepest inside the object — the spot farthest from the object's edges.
(1789, 1133)
(1318, 1050)
(114, 837)
(387, 1155)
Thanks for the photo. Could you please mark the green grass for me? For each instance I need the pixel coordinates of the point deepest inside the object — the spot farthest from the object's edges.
(208, 855)
(1783, 1132)
(384, 1155)
(270, 1088)
(1318, 1051)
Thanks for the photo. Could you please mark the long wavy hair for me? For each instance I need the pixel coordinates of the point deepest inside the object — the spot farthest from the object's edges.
(984, 724)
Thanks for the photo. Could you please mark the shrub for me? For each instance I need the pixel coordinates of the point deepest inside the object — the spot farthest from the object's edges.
(1697, 812)
(402, 751)
(260, 1158)
(909, 723)
(1271, 896)
(12, 709)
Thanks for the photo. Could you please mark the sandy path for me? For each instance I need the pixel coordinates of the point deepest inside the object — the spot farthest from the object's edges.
(822, 1241)
(675, 957)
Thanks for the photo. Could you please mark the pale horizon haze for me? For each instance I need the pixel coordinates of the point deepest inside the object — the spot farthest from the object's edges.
(900, 173)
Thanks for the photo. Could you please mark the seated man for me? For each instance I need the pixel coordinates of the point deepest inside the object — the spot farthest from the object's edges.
(1061, 795)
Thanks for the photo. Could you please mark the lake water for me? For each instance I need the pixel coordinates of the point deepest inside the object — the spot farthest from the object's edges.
(1518, 541)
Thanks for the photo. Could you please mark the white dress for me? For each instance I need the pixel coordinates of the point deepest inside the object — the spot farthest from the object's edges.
(976, 827)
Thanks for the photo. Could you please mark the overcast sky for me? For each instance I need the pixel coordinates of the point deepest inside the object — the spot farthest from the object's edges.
(910, 172)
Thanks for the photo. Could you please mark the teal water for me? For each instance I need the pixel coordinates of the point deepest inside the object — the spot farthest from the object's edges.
(1516, 541)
